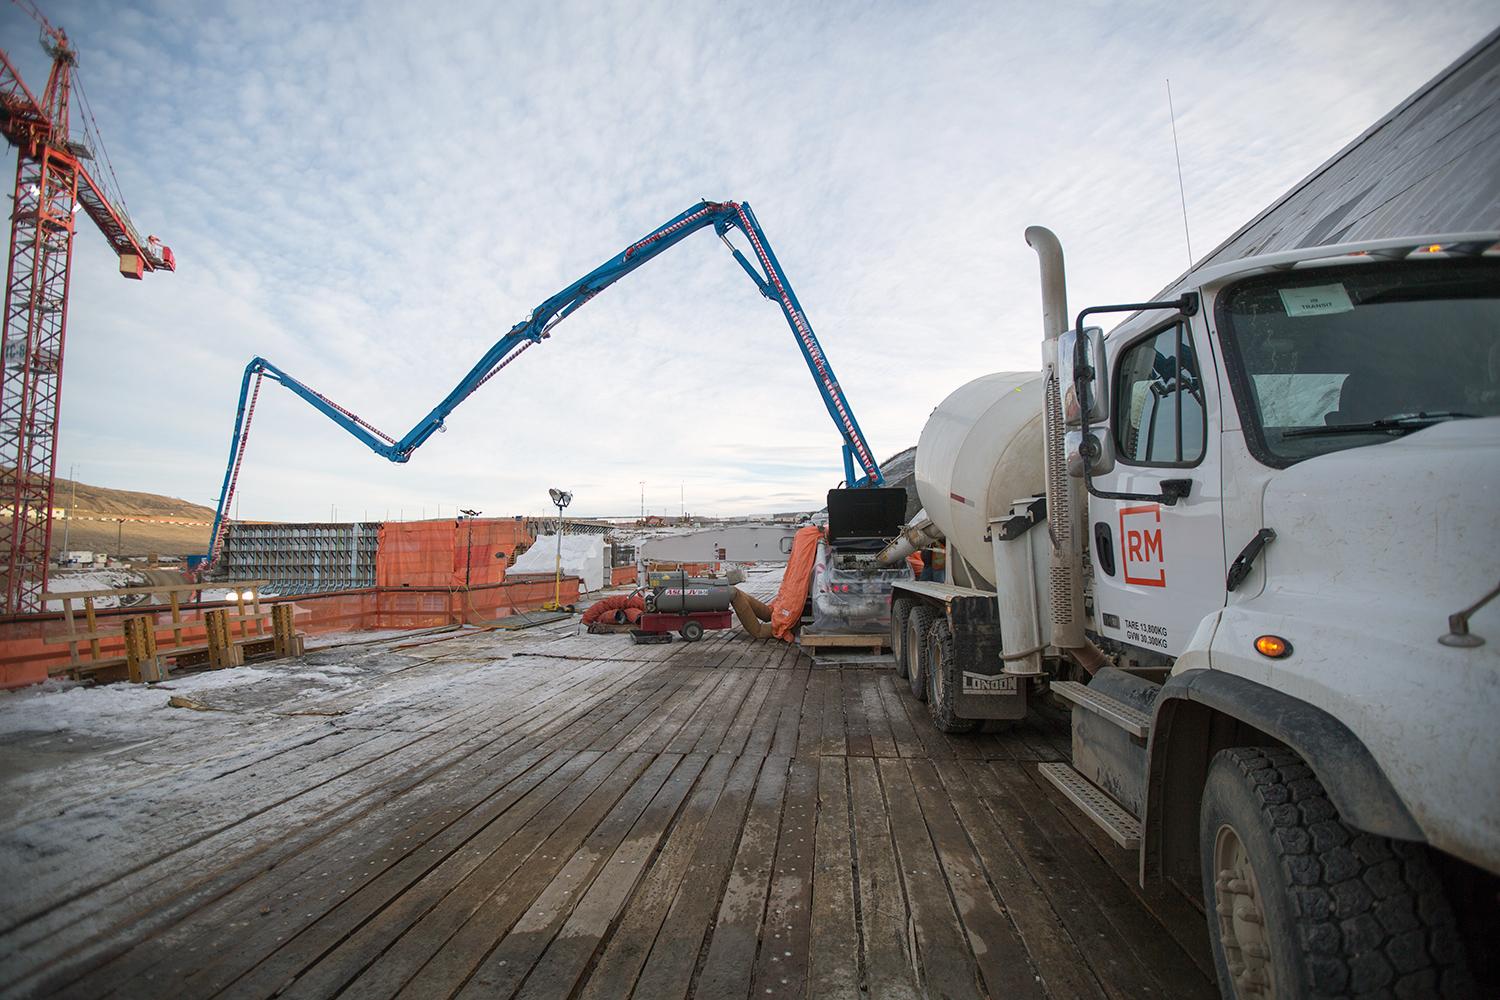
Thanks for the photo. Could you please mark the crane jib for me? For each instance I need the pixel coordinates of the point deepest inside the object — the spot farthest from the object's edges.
(860, 466)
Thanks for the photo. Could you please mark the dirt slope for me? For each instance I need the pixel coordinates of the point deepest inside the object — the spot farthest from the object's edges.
(129, 523)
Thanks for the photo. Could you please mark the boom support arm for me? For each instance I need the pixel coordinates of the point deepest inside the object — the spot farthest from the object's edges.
(860, 467)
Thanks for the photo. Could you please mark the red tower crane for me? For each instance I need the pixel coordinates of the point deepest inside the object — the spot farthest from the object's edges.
(52, 187)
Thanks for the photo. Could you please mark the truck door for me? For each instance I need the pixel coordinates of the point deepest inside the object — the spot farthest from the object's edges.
(1159, 567)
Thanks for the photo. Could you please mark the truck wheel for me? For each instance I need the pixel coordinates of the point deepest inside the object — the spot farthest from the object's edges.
(1300, 905)
(900, 611)
(943, 683)
(692, 631)
(917, 624)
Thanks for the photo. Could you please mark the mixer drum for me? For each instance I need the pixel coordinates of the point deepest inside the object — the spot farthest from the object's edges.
(980, 451)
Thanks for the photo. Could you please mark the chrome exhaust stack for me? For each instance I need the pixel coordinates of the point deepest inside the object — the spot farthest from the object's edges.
(1066, 507)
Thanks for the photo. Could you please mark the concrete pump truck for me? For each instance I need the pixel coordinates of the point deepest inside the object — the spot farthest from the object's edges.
(1251, 539)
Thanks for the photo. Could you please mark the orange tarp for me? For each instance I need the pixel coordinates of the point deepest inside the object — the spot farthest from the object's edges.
(489, 546)
(434, 553)
(786, 609)
(415, 554)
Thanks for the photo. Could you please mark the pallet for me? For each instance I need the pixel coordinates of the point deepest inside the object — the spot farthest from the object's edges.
(874, 643)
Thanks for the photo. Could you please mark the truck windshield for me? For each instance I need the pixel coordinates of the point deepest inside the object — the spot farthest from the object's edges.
(1352, 356)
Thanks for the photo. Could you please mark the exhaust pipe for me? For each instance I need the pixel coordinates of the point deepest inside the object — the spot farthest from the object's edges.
(1064, 504)
(919, 534)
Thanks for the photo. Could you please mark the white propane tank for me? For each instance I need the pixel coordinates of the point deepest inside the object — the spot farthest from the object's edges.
(981, 450)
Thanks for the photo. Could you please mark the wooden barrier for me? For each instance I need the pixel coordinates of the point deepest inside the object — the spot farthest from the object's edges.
(220, 637)
(30, 650)
(284, 632)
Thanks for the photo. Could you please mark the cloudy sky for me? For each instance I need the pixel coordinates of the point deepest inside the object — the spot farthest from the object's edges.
(370, 194)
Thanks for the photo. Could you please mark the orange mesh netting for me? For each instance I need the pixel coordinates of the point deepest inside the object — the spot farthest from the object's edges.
(434, 553)
(416, 554)
(489, 546)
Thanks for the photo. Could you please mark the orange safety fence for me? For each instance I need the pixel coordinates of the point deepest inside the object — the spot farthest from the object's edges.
(26, 659)
(692, 568)
(420, 571)
(415, 554)
(487, 548)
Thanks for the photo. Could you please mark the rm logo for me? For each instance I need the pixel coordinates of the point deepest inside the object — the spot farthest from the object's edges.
(1141, 546)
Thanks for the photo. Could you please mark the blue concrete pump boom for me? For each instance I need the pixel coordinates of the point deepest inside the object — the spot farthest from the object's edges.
(860, 467)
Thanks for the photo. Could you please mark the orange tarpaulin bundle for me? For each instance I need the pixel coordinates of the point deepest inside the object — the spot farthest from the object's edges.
(779, 618)
(786, 609)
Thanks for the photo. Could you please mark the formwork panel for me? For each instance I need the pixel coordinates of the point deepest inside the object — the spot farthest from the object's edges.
(302, 558)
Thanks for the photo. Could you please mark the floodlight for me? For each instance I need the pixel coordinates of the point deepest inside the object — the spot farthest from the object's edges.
(561, 498)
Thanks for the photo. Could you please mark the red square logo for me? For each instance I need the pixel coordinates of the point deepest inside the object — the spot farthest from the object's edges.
(1141, 552)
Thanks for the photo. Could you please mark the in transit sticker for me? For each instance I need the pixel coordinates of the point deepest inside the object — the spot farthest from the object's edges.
(1318, 300)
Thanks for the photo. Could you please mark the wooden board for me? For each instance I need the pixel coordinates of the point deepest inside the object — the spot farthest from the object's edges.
(575, 815)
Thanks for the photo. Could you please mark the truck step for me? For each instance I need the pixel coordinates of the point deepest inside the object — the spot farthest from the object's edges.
(1123, 828)
(1127, 717)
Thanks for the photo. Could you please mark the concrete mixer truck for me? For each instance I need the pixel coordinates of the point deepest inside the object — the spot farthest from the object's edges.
(1251, 540)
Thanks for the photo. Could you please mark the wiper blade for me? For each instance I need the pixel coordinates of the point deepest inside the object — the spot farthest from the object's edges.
(1401, 423)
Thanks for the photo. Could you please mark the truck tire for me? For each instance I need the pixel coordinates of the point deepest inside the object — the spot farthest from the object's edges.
(917, 624)
(900, 611)
(1309, 907)
(943, 683)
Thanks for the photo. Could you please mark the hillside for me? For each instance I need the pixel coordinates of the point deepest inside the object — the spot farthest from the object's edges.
(103, 500)
(127, 522)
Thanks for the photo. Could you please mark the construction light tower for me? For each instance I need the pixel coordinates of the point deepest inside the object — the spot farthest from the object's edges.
(52, 186)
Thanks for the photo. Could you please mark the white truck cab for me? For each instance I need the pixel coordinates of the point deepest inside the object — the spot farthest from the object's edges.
(1345, 401)
(1291, 508)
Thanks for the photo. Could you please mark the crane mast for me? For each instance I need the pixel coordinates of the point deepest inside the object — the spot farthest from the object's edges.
(860, 467)
(52, 187)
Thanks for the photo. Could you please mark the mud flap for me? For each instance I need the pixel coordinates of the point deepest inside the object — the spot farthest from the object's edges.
(984, 692)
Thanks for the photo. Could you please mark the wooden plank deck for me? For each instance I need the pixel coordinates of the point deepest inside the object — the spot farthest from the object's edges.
(552, 814)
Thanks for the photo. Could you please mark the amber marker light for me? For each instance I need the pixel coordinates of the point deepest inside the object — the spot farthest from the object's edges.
(1273, 646)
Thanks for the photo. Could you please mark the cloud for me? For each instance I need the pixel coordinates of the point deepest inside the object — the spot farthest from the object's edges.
(370, 194)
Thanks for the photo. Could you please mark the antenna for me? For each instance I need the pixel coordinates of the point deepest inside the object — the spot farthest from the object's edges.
(1181, 191)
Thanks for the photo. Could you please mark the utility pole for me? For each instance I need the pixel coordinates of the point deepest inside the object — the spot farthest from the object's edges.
(72, 499)
(469, 541)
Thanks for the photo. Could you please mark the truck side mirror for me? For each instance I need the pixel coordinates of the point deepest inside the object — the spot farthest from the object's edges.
(1101, 451)
(1096, 389)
